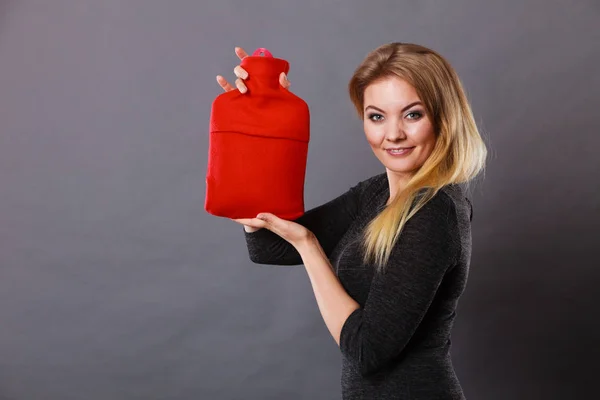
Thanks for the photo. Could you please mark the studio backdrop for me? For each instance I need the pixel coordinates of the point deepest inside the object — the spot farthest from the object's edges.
(115, 283)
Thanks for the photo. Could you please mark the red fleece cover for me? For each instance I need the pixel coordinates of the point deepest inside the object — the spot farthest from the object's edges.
(258, 145)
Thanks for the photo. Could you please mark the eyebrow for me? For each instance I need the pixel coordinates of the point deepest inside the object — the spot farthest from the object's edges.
(404, 109)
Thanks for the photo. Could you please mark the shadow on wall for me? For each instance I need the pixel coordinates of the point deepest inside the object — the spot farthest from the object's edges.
(546, 313)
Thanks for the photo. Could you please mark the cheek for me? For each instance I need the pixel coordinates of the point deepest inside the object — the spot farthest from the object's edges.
(373, 134)
(424, 135)
(430, 140)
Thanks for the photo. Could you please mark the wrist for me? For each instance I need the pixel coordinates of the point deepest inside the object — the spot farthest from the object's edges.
(307, 243)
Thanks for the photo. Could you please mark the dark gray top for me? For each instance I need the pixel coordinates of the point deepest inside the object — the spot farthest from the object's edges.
(397, 344)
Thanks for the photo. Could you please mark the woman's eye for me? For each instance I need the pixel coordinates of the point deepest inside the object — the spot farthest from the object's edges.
(379, 117)
(375, 115)
(414, 113)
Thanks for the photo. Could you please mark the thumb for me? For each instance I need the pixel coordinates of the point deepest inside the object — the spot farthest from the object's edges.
(268, 217)
(283, 79)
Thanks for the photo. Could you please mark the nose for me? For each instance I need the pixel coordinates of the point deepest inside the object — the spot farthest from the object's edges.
(396, 134)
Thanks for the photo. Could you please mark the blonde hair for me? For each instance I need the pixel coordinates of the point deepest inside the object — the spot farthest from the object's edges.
(459, 153)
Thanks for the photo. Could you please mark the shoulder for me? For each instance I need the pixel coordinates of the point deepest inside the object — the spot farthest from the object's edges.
(437, 220)
(369, 188)
(450, 199)
(372, 181)
(430, 235)
(369, 185)
(441, 208)
(459, 197)
(434, 229)
(375, 183)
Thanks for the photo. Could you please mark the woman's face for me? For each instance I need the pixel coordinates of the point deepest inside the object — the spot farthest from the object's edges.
(395, 118)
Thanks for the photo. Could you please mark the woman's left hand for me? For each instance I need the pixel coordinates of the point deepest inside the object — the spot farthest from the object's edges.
(292, 232)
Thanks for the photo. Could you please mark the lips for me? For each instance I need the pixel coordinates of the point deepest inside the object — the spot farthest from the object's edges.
(400, 153)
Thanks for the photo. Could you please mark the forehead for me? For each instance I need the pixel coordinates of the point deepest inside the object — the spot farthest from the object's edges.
(390, 91)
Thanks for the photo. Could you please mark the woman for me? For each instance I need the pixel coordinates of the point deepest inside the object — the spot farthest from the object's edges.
(388, 259)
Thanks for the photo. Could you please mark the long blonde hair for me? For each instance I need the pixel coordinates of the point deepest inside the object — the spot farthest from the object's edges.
(459, 153)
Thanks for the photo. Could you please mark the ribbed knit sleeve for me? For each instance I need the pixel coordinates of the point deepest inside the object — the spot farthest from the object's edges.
(328, 222)
(398, 299)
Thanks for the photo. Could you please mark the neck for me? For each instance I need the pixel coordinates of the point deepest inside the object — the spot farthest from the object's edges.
(263, 72)
(396, 182)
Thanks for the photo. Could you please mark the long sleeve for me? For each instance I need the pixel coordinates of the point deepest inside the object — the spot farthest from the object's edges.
(399, 298)
(328, 222)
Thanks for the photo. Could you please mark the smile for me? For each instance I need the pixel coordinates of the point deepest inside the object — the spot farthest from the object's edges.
(400, 152)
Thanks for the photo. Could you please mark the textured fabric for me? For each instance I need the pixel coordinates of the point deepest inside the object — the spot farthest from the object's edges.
(258, 146)
(397, 344)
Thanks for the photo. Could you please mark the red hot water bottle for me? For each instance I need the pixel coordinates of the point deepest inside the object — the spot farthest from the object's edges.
(258, 145)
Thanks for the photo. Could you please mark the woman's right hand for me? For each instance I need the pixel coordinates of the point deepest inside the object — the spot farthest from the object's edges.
(242, 74)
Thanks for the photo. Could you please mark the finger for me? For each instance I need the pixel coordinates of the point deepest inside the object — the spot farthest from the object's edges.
(243, 221)
(254, 222)
(224, 84)
(250, 229)
(283, 80)
(240, 72)
(240, 85)
(247, 224)
(268, 218)
(241, 53)
(271, 222)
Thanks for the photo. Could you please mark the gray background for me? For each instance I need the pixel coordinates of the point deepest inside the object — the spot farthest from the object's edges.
(116, 284)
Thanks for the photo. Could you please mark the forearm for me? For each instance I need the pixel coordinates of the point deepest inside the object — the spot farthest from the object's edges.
(266, 247)
(332, 299)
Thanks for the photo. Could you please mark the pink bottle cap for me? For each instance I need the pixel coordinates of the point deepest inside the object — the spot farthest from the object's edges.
(261, 51)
